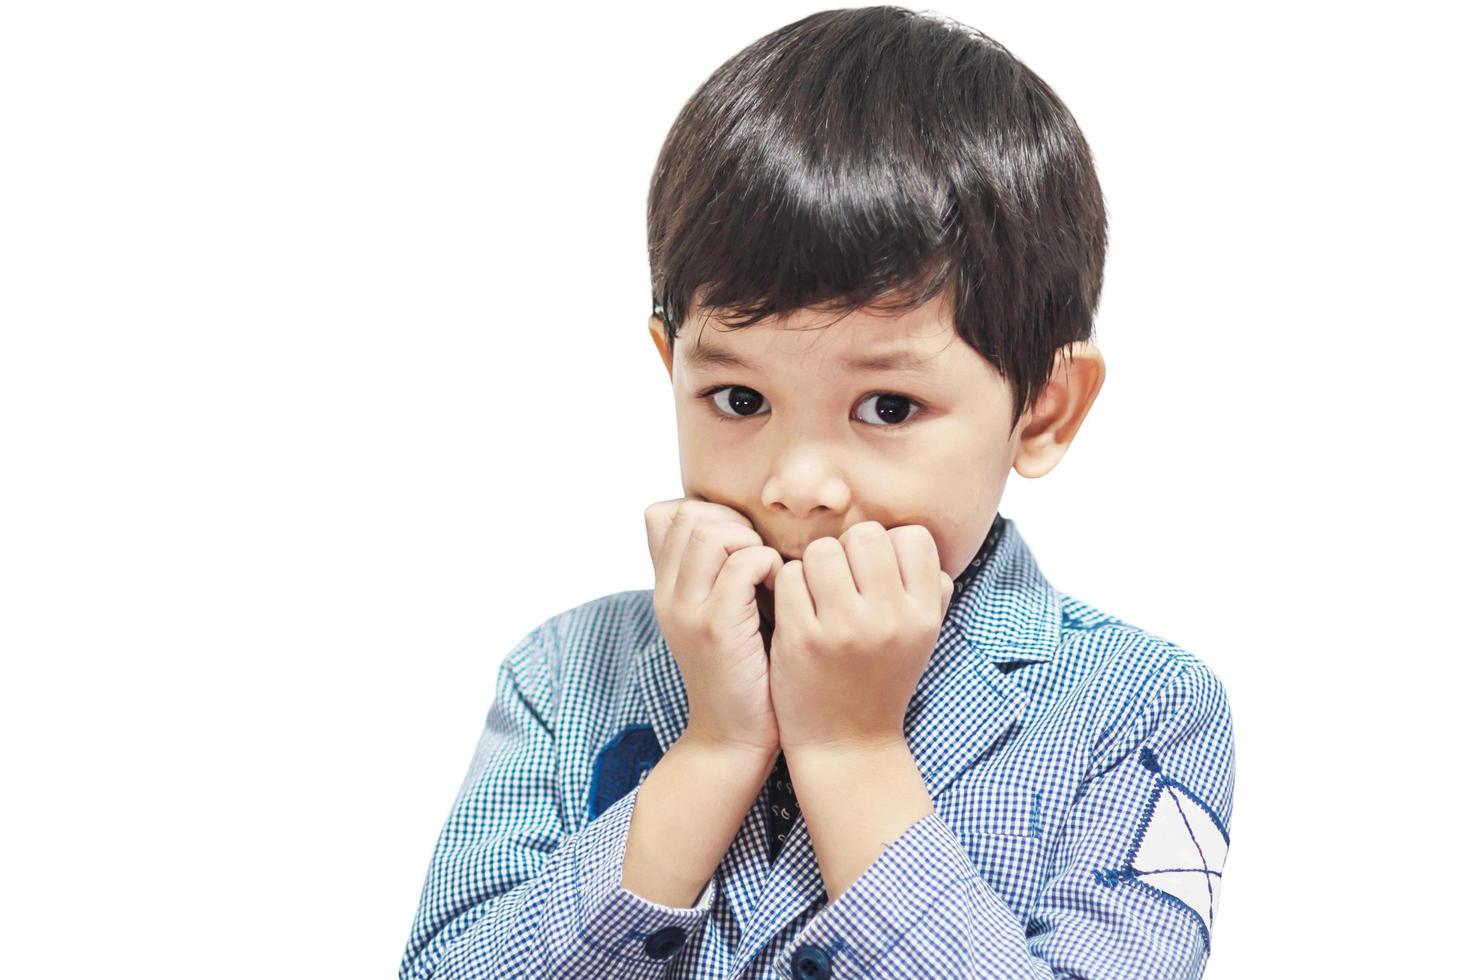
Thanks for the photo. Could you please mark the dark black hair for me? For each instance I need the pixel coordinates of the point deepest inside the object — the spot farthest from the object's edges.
(873, 157)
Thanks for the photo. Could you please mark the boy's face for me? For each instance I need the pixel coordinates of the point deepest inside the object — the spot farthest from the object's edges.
(805, 444)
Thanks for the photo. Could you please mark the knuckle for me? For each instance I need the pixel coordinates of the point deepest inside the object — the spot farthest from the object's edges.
(911, 538)
(752, 552)
(739, 536)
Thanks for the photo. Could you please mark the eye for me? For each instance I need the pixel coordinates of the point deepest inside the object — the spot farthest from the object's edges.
(744, 398)
(891, 408)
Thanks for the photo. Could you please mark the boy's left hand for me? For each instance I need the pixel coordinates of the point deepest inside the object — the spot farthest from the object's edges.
(855, 623)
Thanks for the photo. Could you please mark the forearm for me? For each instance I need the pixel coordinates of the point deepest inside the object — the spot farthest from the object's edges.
(856, 802)
(687, 812)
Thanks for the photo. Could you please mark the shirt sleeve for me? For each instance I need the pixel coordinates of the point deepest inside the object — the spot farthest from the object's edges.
(1131, 889)
(511, 890)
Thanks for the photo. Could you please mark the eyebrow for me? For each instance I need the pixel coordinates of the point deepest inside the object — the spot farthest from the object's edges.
(704, 355)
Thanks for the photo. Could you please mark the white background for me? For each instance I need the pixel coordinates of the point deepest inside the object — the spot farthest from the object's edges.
(325, 377)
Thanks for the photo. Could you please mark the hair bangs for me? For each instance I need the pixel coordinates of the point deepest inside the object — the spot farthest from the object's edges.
(871, 158)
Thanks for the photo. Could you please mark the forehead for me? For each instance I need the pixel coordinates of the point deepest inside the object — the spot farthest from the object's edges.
(910, 343)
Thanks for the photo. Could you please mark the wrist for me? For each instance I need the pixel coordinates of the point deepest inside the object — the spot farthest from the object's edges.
(731, 755)
(849, 751)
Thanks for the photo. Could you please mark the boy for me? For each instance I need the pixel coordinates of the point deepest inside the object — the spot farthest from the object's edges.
(852, 730)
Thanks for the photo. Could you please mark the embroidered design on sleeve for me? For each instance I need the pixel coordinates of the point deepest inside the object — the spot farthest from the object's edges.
(1178, 850)
(621, 765)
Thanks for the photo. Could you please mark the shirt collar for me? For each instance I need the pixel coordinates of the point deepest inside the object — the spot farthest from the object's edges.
(1002, 604)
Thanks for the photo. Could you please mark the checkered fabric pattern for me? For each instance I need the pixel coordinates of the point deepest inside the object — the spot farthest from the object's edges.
(1081, 771)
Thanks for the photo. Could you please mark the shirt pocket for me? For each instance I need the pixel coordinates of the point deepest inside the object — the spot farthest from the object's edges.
(1001, 825)
(1012, 865)
(995, 808)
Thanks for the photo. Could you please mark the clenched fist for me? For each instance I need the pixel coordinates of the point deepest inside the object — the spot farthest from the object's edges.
(855, 624)
(709, 565)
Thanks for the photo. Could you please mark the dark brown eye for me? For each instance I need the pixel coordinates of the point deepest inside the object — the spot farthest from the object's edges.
(891, 409)
(742, 401)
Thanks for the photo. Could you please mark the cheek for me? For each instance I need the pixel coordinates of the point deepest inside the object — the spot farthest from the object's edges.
(708, 462)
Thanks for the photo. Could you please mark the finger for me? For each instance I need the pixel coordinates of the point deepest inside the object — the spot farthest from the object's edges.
(827, 573)
(661, 520)
(708, 546)
(743, 571)
(658, 517)
(793, 605)
(917, 558)
(673, 547)
(946, 595)
(711, 510)
(872, 558)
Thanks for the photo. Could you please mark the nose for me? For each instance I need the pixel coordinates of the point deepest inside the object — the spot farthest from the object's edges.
(801, 488)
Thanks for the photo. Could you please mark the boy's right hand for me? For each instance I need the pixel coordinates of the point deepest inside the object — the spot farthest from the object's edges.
(709, 562)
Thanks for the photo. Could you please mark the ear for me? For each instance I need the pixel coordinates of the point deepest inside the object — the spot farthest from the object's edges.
(658, 337)
(1047, 429)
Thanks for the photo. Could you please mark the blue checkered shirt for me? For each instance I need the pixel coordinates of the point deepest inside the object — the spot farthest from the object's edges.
(1081, 771)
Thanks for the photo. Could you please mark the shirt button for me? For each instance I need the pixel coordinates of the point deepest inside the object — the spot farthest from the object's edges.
(663, 942)
(810, 963)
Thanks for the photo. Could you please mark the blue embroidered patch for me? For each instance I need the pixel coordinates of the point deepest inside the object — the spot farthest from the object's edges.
(620, 764)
